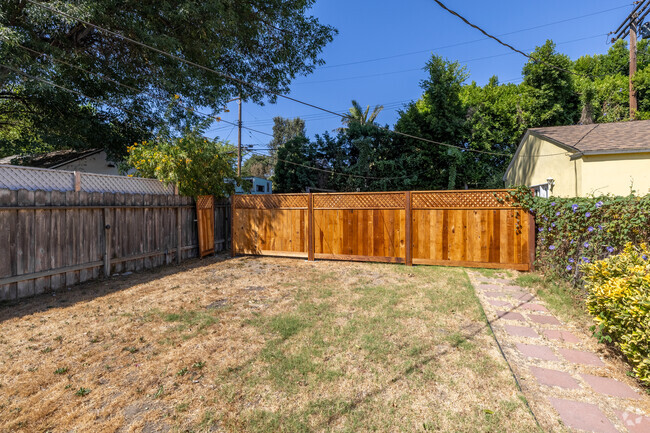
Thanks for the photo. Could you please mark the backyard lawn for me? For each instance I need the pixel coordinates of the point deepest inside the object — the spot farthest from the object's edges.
(258, 345)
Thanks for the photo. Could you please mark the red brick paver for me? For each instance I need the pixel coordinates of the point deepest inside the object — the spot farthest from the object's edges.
(535, 351)
(583, 416)
(495, 294)
(521, 331)
(509, 315)
(581, 357)
(532, 307)
(544, 320)
(607, 386)
(565, 336)
(634, 423)
(554, 378)
(498, 303)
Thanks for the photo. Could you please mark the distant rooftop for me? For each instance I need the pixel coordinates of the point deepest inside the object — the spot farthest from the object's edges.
(48, 160)
(620, 137)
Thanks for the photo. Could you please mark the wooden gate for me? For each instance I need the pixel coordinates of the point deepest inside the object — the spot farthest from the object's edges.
(205, 221)
(449, 228)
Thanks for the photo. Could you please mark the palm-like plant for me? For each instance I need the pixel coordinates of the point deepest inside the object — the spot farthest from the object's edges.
(358, 114)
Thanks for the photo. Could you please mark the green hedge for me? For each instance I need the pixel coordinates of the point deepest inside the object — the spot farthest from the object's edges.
(619, 299)
(576, 231)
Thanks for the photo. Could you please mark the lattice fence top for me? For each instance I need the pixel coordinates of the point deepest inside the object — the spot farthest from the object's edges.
(461, 200)
(360, 201)
(91, 182)
(33, 179)
(205, 202)
(272, 201)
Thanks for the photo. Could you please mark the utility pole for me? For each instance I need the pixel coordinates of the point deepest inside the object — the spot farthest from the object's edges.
(630, 26)
(239, 125)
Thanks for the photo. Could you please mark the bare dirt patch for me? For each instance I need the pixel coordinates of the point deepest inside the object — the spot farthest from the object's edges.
(258, 345)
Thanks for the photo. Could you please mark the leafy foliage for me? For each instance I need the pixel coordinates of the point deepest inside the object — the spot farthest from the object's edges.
(291, 171)
(361, 116)
(575, 231)
(198, 166)
(257, 166)
(265, 42)
(619, 300)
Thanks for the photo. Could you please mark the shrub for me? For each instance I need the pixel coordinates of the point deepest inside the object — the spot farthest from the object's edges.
(619, 299)
(575, 231)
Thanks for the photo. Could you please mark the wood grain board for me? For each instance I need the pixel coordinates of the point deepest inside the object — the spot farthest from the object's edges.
(454, 228)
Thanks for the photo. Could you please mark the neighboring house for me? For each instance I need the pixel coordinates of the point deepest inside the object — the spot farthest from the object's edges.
(260, 186)
(580, 160)
(87, 161)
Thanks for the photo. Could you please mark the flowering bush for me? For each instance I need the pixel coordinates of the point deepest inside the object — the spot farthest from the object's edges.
(576, 231)
(198, 166)
(619, 299)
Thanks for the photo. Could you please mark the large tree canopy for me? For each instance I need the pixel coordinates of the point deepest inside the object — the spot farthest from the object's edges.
(264, 42)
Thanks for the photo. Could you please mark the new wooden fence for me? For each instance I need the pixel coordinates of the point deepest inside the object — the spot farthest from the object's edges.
(52, 239)
(452, 228)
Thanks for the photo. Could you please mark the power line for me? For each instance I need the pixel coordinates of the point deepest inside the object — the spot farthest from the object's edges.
(108, 79)
(180, 59)
(255, 86)
(473, 41)
(505, 44)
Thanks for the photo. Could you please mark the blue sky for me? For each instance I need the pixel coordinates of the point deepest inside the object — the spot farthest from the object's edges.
(404, 35)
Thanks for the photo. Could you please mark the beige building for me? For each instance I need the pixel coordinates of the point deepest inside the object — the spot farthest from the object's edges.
(584, 160)
(87, 161)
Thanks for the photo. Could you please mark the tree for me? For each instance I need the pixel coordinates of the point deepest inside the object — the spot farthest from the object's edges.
(292, 170)
(361, 116)
(257, 166)
(549, 94)
(284, 130)
(439, 115)
(266, 43)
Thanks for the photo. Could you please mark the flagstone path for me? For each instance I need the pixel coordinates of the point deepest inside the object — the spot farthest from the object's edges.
(570, 385)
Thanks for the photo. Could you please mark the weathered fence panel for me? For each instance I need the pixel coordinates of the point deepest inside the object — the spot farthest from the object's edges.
(451, 228)
(54, 239)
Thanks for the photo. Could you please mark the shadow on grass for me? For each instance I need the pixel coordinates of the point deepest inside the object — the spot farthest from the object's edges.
(90, 290)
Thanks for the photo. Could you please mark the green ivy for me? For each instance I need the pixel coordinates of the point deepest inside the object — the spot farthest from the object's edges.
(571, 232)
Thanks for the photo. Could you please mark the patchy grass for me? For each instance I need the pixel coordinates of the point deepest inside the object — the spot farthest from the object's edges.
(563, 299)
(293, 347)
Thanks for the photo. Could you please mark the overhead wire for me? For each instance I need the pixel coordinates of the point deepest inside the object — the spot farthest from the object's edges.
(475, 40)
(507, 45)
(269, 91)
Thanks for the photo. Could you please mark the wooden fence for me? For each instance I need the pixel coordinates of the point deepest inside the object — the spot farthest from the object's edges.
(451, 228)
(52, 239)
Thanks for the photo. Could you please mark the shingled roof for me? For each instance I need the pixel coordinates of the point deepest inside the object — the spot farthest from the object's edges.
(621, 137)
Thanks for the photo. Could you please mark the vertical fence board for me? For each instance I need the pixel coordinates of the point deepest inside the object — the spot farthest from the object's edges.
(42, 240)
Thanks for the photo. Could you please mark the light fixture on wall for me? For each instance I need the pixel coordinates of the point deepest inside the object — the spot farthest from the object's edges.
(550, 182)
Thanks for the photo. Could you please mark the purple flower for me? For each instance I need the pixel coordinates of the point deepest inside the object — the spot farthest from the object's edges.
(599, 204)
(569, 267)
(557, 213)
(588, 214)
(552, 224)
(585, 260)
(590, 229)
(571, 261)
(542, 240)
(552, 247)
(644, 257)
(600, 227)
(553, 204)
(586, 245)
(574, 207)
(610, 249)
(541, 229)
(544, 216)
(572, 242)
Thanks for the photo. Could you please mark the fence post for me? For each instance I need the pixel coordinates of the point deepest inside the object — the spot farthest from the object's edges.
(310, 228)
(179, 232)
(232, 225)
(107, 243)
(408, 248)
(532, 232)
(77, 181)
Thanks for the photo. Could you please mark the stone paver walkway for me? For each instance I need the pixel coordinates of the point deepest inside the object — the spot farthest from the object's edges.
(570, 385)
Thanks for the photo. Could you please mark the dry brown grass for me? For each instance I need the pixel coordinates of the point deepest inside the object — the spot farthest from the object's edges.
(258, 345)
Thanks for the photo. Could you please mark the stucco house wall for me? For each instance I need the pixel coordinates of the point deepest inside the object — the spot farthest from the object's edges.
(616, 174)
(95, 163)
(537, 159)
